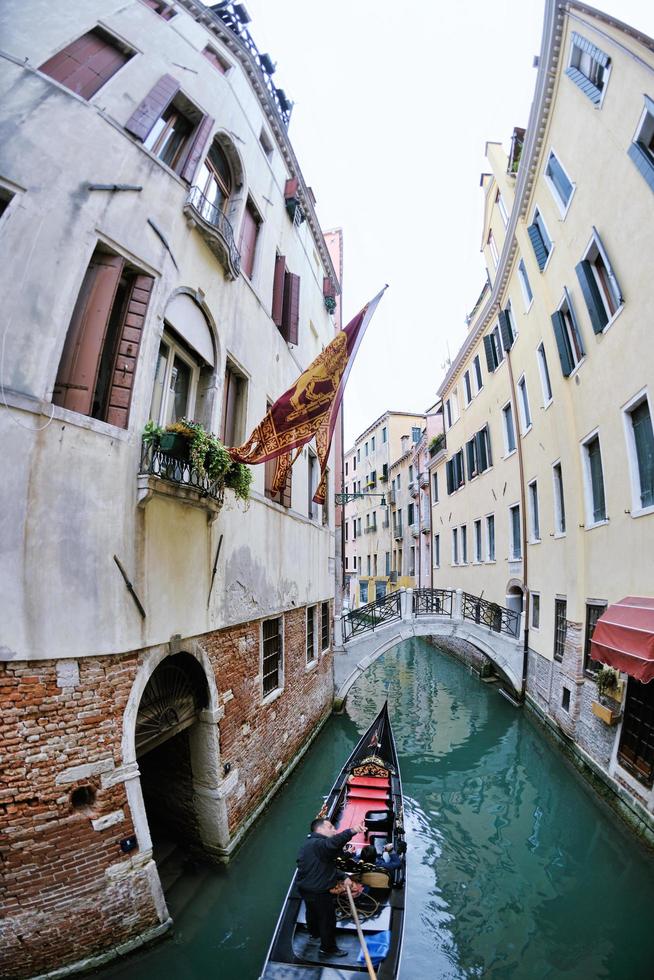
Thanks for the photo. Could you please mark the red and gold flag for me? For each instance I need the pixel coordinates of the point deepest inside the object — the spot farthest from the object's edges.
(309, 408)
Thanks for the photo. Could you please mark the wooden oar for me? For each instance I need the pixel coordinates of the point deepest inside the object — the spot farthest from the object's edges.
(364, 948)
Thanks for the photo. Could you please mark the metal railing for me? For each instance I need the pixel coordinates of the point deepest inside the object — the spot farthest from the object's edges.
(213, 216)
(432, 602)
(497, 618)
(369, 617)
(398, 531)
(155, 462)
(369, 528)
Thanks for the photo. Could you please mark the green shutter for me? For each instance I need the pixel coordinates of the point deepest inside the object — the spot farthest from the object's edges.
(562, 343)
(644, 439)
(540, 251)
(490, 354)
(596, 310)
(505, 329)
(470, 452)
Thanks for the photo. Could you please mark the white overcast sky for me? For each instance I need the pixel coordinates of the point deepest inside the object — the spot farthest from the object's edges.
(393, 105)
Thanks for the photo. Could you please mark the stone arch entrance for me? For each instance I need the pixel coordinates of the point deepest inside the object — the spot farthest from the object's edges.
(171, 748)
(515, 596)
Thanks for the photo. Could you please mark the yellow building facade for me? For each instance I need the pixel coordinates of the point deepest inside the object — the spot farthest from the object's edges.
(543, 500)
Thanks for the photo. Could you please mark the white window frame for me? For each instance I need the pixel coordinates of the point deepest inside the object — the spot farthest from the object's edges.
(523, 276)
(312, 610)
(537, 211)
(437, 551)
(512, 553)
(566, 301)
(605, 80)
(448, 414)
(455, 546)
(532, 596)
(634, 470)
(477, 375)
(561, 205)
(645, 130)
(456, 413)
(501, 207)
(176, 350)
(479, 541)
(559, 501)
(507, 450)
(279, 690)
(487, 519)
(526, 421)
(463, 539)
(596, 247)
(545, 376)
(588, 483)
(492, 247)
(534, 512)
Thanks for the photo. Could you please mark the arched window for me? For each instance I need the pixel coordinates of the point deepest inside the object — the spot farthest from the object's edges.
(215, 178)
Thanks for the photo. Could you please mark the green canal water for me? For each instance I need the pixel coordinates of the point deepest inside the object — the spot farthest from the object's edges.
(515, 870)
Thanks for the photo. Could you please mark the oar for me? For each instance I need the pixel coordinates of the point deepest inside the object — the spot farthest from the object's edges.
(364, 948)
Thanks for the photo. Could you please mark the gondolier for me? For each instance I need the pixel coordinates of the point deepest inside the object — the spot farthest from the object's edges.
(317, 875)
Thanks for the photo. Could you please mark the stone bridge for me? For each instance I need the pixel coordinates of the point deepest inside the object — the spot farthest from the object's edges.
(354, 656)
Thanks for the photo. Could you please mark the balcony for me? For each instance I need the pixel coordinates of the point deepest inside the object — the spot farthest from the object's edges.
(414, 488)
(437, 445)
(370, 528)
(517, 142)
(398, 532)
(415, 531)
(425, 526)
(216, 230)
(392, 498)
(423, 479)
(167, 476)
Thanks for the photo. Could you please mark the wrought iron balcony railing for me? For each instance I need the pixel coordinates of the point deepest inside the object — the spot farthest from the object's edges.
(432, 602)
(496, 617)
(154, 462)
(215, 229)
(372, 615)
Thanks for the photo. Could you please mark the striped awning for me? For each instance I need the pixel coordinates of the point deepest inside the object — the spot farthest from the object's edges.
(624, 637)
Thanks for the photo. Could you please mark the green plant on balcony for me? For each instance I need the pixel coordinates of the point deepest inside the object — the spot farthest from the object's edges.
(436, 444)
(330, 304)
(607, 680)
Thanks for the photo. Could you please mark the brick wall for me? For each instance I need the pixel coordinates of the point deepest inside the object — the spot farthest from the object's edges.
(61, 726)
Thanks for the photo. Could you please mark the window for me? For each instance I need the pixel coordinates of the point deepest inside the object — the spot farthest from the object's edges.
(168, 140)
(454, 472)
(448, 413)
(565, 699)
(490, 537)
(372, 444)
(175, 383)
(221, 65)
(636, 749)
(410, 474)
(384, 434)
(494, 349)
(593, 612)
(599, 285)
(478, 550)
(525, 285)
(5, 199)
(387, 566)
(594, 482)
(493, 249)
(437, 551)
(560, 628)
(533, 511)
(508, 331)
(540, 240)
(283, 496)
(559, 183)
(535, 610)
(369, 566)
(640, 440)
(399, 481)
(509, 429)
(163, 9)
(567, 335)
(471, 459)
(410, 514)
(312, 486)
(515, 551)
(324, 626)
(478, 378)
(467, 388)
(525, 413)
(358, 527)
(347, 531)
(559, 501)
(232, 429)
(247, 242)
(545, 382)
(272, 656)
(366, 449)
(311, 633)
(435, 488)
(641, 150)
(98, 361)
(266, 144)
(502, 209)
(286, 305)
(455, 546)
(358, 456)
(416, 433)
(87, 63)
(464, 545)
(588, 68)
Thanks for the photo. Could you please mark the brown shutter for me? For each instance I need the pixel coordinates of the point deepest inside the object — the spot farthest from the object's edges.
(291, 188)
(153, 106)
(86, 64)
(122, 380)
(278, 290)
(248, 240)
(291, 308)
(80, 359)
(197, 148)
(328, 287)
(211, 56)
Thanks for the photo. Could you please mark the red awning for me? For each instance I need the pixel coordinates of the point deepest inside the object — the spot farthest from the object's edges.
(624, 637)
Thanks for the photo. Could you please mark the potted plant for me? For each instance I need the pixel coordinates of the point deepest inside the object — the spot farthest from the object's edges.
(175, 440)
(608, 686)
(436, 444)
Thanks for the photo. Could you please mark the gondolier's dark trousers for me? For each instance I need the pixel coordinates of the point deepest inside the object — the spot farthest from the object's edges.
(321, 916)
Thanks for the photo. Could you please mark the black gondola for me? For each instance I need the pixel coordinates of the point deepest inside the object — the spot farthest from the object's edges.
(368, 791)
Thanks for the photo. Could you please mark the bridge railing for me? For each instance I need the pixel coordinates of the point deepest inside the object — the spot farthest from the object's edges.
(497, 618)
(373, 614)
(433, 602)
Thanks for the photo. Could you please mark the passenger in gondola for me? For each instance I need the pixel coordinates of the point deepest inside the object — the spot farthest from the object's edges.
(388, 860)
(317, 876)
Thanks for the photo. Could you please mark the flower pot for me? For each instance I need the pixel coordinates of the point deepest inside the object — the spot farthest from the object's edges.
(605, 714)
(175, 445)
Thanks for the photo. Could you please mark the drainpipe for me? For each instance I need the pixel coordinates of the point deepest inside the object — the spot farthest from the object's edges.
(431, 536)
(523, 511)
(419, 529)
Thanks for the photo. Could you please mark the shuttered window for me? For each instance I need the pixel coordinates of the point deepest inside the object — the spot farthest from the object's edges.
(641, 150)
(535, 516)
(559, 182)
(641, 424)
(560, 627)
(525, 284)
(540, 240)
(232, 428)
(216, 60)
(599, 285)
(471, 454)
(98, 362)
(509, 428)
(248, 238)
(595, 481)
(593, 612)
(568, 337)
(559, 500)
(324, 614)
(286, 301)
(546, 384)
(87, 63)
(272, 655)
(163, 9)
(152, 107)
(171, 127)
(311, 633)
(588, 67)
(516, 537)
(507, 330)
(525, 411)
(478, 377)
(490, 536)
(636, 749)
(493, 348)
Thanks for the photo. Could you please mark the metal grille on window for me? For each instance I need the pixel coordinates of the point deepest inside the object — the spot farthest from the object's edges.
(593, 613)
(560, 628)
(271, 654)
(311, 619)
(325, 621)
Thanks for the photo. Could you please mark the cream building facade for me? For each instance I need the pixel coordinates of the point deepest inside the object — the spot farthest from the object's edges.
(375, 560)
(546, 485)
(162, 258)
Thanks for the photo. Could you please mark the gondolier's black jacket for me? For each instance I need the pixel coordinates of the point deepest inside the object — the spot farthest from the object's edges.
(315, 862)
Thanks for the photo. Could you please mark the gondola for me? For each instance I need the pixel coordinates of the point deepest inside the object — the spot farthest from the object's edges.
(368, 791)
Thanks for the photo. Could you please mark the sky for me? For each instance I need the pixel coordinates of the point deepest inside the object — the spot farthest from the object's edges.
(394, 103)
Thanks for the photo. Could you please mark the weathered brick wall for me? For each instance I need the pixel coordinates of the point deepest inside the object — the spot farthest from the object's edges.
(61, 727)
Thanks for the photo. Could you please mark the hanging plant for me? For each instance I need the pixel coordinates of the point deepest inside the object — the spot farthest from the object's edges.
(607, 680)
(239, 479)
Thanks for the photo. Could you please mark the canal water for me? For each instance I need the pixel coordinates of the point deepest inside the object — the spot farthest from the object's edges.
(515, 869)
